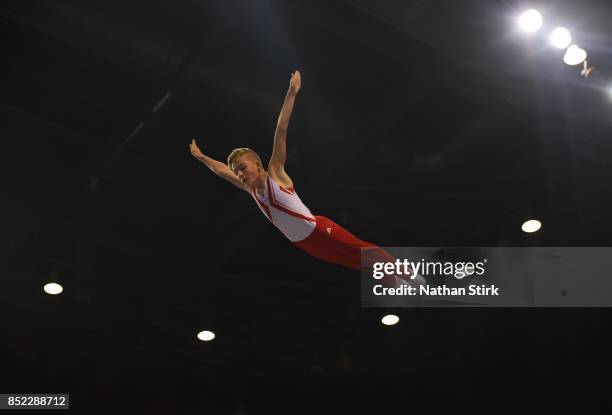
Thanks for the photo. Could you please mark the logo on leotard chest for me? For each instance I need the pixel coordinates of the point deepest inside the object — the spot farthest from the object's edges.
(328, 231)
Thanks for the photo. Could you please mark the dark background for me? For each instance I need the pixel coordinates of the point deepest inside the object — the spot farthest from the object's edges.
(419, 123)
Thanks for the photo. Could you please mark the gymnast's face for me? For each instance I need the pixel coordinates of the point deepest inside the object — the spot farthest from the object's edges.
(249, 170)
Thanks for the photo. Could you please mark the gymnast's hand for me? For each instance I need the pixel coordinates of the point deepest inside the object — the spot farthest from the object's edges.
(195, 150)
(296, 82)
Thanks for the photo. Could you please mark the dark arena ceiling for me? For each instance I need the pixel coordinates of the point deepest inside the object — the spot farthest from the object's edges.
(419, 123)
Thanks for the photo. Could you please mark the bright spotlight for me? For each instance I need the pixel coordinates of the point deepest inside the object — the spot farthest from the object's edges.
(574, 55)
(390, 319)
(531, 226)
(560, 38)
(206, 335)
(530, 21)
(53, 288)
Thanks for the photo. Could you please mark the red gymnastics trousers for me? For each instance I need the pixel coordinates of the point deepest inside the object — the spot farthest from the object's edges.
(330, 242)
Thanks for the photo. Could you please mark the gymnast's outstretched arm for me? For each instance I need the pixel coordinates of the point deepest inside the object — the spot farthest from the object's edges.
(220, 169)
(276, 166)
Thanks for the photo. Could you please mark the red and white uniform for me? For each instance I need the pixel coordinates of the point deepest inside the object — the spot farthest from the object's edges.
(319, 236)
(285, 210)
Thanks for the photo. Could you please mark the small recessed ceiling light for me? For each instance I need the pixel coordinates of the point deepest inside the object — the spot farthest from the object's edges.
(531, 226)
(206, 335)
(390, 320)
(53, 288)
(530, 21)
(560, 38)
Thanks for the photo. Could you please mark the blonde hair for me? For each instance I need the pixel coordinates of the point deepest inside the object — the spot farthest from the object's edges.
(237, 152)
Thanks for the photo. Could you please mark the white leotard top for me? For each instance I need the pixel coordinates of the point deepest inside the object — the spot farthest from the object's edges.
(285, 210)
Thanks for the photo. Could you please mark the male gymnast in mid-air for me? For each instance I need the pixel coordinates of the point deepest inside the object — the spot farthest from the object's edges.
(273, 190)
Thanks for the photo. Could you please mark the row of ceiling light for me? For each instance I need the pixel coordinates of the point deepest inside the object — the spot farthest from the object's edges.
(531, 21)
(529, 226)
